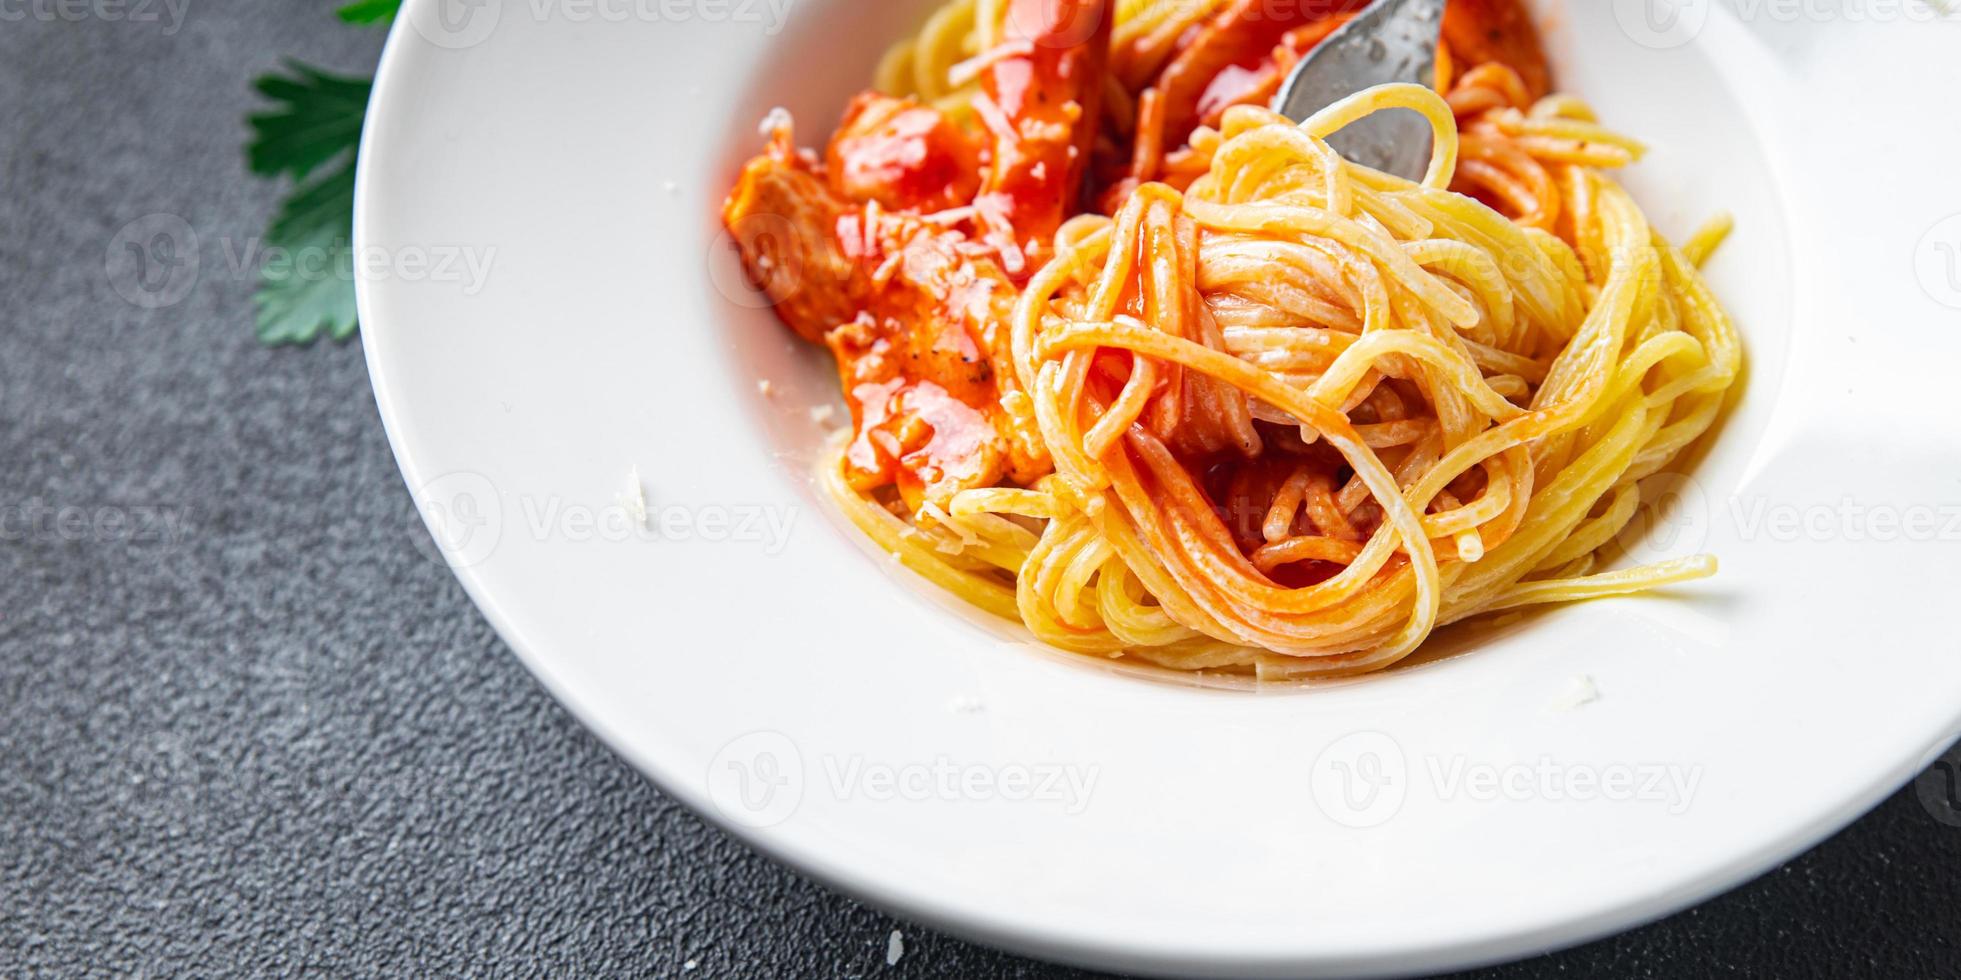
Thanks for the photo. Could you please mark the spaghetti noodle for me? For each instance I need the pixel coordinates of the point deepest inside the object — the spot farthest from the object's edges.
(1275, 412)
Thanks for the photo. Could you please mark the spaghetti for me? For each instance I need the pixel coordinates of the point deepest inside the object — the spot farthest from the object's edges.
(1273, 412)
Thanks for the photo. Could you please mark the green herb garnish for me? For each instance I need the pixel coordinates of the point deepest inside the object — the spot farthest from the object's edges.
(310, 134)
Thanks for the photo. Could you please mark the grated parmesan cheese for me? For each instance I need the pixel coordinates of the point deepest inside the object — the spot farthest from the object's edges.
(1580, 691)
(966, 537)
(635, 498)
(777, 118)
(966, 705)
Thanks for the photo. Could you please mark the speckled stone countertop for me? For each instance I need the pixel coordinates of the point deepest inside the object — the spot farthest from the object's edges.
(248, 728)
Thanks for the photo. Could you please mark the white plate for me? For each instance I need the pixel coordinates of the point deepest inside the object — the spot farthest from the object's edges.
(1435, 817)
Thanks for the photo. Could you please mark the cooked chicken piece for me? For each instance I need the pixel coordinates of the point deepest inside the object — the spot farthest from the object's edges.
(1041, 98)
(1502, 31)
(917, 317)
(905, 156)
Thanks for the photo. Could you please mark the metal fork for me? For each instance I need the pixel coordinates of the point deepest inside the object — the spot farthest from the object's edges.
(1390, 41)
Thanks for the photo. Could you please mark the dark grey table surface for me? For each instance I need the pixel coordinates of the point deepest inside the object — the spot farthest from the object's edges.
(252, 729)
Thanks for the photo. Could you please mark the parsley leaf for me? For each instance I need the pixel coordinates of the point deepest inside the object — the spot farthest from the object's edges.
(306, 284)
(316, 117)
(369, 11)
